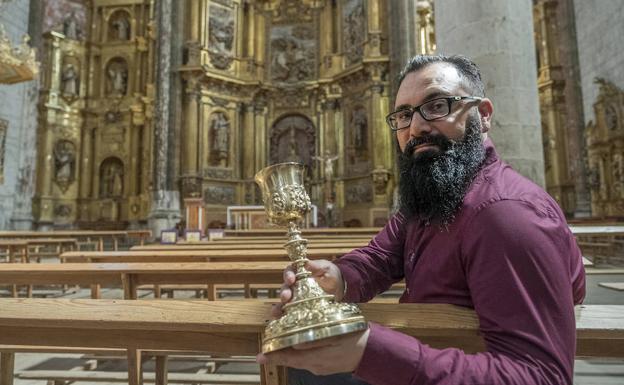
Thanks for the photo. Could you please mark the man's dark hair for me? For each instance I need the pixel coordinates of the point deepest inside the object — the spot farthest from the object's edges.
(468, 70)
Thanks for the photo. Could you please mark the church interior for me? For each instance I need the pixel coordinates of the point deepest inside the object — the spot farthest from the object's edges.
(130, 123)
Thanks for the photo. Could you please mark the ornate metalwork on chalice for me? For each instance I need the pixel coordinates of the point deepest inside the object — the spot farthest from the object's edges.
(312, 314)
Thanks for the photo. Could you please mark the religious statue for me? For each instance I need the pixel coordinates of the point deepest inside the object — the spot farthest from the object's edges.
(122, 26)
(69, 80)
(70, 27)
(360, 126)
(328, 162)
(293, 149)
(117, 77)
(64, 163)
(220, 137)
(111, 182)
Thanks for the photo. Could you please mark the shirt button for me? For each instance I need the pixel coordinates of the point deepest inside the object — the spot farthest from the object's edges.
(411, 257)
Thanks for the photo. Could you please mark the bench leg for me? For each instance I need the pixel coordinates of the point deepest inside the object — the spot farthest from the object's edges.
(135, 370)
(7, 365)
(161, 370)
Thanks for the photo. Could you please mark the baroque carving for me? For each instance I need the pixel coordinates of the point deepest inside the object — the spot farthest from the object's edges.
(220, 195)
(217, 173)
(354, 30)
(293, 140)
(359, 192)
(293, 53)
(64, 163)
(221, 28)
(381, 176)
(63, 211)
(191, 187)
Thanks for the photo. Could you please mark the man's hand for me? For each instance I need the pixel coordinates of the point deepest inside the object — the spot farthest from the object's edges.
(327, 356)
(324, 272)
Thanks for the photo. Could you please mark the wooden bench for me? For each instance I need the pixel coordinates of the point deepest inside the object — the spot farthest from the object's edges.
(131, 275)
(251, 245)
(348, 231)
(276, 254)
(62, 377)
(235, 327)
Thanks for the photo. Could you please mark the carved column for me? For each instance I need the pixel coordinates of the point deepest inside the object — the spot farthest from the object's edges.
(165, 209)
(383, 150)
(373, 43)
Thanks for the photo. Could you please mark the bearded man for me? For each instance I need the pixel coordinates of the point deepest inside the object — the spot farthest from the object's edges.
(470, 232)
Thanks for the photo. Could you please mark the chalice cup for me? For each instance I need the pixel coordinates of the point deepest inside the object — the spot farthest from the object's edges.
(312, 314)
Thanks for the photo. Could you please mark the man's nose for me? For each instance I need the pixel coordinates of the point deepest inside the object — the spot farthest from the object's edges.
(419, 126)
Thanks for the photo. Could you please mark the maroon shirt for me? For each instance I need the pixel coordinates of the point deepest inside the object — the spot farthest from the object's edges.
(509, 255)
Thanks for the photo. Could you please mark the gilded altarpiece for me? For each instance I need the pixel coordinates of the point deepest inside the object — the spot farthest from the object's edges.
(275, 81)
(605, 143)
(95, 107)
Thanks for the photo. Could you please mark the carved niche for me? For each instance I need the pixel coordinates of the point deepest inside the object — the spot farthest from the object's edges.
(354, 30)
(111, 178)
(219, 140)
(221, 33)
(293, 139)
(293, 53)
(116, 77)
(64, 163)
(119, 26)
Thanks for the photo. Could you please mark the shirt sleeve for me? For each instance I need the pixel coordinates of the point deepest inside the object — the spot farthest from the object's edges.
(372, 269)
(517, 257)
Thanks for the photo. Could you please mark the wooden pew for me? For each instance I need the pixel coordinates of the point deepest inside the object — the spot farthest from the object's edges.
(275, 254)
(348, 231)
(131, 275)
(241, 245)
(235, 328)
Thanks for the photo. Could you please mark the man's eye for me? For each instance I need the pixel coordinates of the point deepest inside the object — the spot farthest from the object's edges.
(437, 105)
(403, 116)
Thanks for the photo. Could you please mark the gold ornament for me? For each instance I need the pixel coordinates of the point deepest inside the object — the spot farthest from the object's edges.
(312, 314)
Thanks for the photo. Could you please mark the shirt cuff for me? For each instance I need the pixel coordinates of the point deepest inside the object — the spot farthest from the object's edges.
(389, 358)
(350, 277)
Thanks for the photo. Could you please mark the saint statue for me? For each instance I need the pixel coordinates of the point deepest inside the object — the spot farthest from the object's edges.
(70, 27)
(64, 158)
(220, 137)
(117, 78)
(123, 28)
(69, 80)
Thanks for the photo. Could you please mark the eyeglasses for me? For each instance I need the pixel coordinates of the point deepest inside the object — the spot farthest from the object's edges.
(431, 110)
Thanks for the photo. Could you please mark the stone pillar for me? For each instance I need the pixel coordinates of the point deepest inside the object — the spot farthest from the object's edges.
(498, 36)
(165, 208)
(403, 31)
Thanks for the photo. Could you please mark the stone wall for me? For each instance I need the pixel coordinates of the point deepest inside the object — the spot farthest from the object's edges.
(600, 31)
(18, 109)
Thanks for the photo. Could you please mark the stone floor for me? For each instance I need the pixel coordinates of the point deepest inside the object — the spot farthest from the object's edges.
(595, 372)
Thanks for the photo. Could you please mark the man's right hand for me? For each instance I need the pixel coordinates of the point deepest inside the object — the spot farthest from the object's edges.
(326, 274)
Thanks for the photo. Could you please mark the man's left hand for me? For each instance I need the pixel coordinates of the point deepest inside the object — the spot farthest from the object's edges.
(327, 356)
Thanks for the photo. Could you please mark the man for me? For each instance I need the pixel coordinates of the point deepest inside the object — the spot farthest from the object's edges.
(471, 232)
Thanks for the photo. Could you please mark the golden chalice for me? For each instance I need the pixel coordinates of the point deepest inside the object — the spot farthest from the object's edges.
(312, 314)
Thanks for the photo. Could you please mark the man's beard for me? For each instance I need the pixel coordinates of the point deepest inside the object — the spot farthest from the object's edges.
(433, 184)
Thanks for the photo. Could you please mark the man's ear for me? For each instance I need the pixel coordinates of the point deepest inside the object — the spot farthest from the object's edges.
(486, 108)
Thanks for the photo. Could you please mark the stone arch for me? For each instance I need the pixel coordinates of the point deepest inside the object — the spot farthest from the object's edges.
(292, 139)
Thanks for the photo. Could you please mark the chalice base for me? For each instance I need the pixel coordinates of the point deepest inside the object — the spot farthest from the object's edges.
(339, 319)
